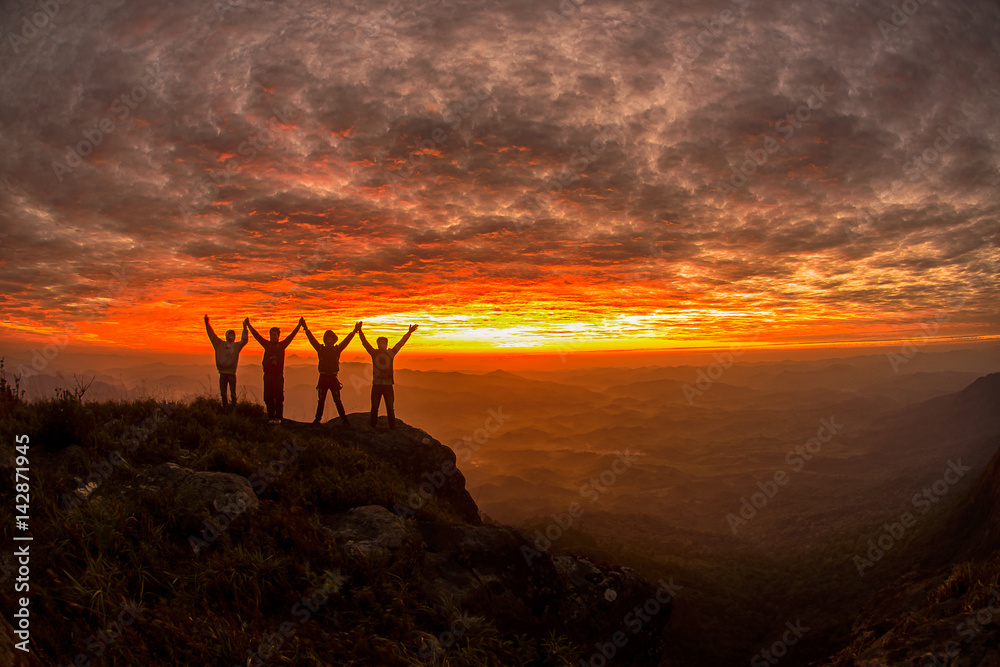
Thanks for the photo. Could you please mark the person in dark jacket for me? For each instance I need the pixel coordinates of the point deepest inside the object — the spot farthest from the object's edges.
(382, 373)
(329, 365)
(274, 368)
(227, 358)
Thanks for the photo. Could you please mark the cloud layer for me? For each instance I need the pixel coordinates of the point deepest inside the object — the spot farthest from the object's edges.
(507, 172)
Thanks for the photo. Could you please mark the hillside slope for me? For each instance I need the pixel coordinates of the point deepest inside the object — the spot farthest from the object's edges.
(948, 611)
(204, 538)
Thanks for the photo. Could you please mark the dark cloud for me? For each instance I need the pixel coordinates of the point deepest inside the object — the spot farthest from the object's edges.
(384, 144)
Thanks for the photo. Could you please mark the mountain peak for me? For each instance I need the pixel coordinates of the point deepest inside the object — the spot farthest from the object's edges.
(374, 523)
(988, 385)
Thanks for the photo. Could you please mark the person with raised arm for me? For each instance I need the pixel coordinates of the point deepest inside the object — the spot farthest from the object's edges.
(227, 358)
(274, 368)
(329, 365)
(382, 372)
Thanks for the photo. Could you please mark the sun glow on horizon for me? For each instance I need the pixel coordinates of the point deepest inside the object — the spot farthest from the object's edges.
(516, 188)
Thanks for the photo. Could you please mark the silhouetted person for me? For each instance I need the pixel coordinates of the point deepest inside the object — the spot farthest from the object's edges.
(227, 358)
(274, 368)
(329, 365)
(382, 372)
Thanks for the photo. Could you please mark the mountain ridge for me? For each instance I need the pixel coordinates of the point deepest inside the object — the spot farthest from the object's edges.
(249, 516)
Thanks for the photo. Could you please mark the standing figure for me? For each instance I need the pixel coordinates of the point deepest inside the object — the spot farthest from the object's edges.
(329, 365)
(382, 373)
(274, 368)
(227, 358)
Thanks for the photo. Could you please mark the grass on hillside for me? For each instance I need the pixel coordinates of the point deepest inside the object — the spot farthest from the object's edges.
(109, 558)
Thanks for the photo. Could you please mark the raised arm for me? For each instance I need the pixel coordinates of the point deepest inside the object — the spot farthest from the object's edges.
(290, 336)
(406, 337)
(347, 339)
(312, 339)
(243, 338)
(211, 334)
(364, 341)
(260, 339)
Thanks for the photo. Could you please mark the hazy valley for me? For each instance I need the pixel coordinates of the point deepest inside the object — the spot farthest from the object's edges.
(753, 484)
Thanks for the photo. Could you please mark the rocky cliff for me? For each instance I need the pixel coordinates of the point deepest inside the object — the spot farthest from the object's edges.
(947, 611)
(208, 527)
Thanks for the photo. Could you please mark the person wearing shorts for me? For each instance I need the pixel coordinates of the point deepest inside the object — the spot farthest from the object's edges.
(329, 366)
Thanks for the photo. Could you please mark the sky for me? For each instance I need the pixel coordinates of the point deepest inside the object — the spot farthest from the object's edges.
(526, 176)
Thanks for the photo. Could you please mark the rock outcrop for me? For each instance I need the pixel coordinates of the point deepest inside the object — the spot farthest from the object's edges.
(941, 615)
(217, 491)
(492, 570)
(429, 466)
(948, 632)
(489, 571)
(495, 571)
(366, 531)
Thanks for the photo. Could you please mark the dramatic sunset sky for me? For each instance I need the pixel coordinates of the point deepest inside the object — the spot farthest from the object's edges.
(400, 162)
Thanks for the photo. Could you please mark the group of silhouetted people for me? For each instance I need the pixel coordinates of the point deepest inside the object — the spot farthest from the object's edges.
(227, 355)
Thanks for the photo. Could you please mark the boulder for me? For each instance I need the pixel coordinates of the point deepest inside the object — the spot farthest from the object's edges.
(483, 569)
(495, 571)
(421, 459)
(71, 462)
(217, 491)
(366, 531)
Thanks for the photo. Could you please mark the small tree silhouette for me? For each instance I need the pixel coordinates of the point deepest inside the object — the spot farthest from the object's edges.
(10, 394)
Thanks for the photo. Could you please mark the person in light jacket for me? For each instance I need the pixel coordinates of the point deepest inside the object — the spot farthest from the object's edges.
(227, 358)
(382, 373)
